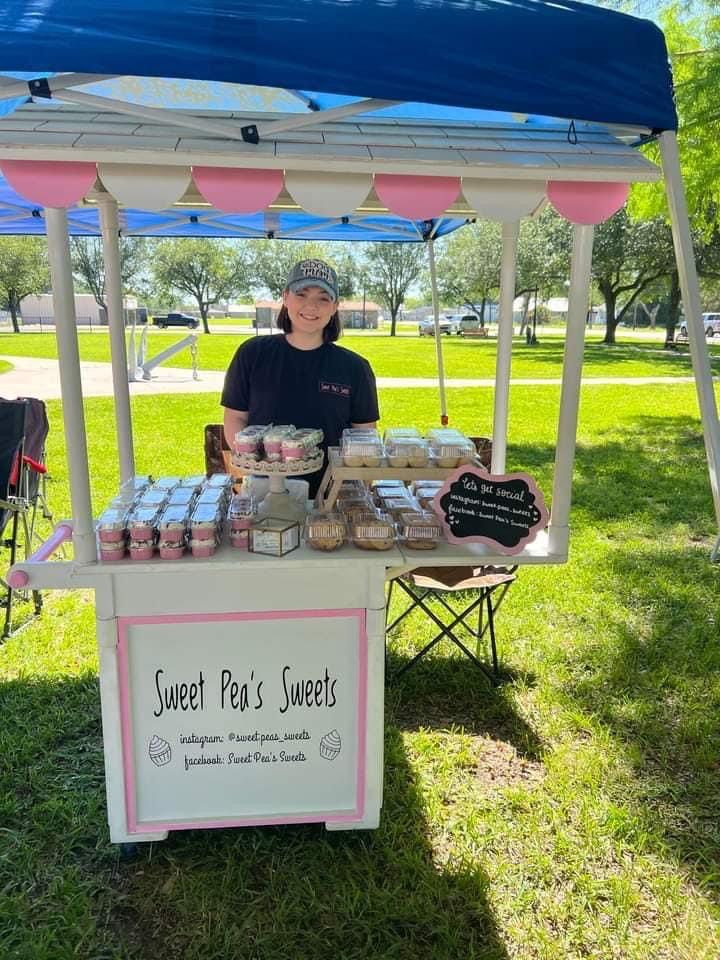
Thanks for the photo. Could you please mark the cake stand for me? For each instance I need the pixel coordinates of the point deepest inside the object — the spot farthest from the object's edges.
(277, 502)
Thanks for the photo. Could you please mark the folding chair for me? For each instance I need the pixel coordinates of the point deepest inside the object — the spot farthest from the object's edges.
(426, 585)
(23, 431)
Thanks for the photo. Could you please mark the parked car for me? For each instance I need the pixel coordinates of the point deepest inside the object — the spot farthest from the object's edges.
(711, 322)
(448, 325)
(176, 320)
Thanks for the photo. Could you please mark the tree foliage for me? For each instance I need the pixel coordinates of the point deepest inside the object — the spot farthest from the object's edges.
(391, 268)
(206, 270)
(270, 262)
(88, 263)
(628, 257)
(23, 271)
(469, 266)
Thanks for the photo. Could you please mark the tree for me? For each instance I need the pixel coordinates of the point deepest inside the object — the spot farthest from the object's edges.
(270, 262)
(628, 257)
(88, 263)
(23, 271)
(391, 268)
(206, 270)
(469, 267)
(543, 258)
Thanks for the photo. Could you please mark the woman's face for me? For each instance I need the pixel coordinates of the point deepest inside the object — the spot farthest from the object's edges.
(310, 309)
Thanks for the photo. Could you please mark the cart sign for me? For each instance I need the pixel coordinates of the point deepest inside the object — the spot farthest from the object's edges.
(232, 719)
(505, 511)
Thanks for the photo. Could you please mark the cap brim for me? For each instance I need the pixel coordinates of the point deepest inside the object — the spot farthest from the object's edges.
(313, 282)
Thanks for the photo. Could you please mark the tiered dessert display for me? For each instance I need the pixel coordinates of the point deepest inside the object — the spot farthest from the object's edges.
(278, 452)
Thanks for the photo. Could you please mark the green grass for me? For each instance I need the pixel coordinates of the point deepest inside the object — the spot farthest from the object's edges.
(404, 356)
(571, 813)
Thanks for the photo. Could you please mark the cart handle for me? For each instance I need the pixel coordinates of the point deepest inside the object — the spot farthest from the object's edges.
(17, 578)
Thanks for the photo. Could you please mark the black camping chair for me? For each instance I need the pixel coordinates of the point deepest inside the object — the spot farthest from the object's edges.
(448, 596)
(23, 431)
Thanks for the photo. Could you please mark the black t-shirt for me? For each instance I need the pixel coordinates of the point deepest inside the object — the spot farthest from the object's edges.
(328, 387)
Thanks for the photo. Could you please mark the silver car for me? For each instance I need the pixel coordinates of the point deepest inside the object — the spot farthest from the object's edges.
(711, 322)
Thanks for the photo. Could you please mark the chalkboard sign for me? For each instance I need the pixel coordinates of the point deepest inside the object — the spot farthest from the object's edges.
(505, 511)
(230, 719)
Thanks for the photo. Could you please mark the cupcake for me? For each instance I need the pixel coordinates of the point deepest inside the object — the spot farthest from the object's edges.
(330, 745)
(159, 751)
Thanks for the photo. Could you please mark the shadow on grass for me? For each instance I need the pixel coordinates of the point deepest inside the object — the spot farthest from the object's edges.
(216, 894)
(653, 680)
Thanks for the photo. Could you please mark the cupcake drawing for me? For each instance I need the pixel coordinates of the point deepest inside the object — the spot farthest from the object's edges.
(330, 745)
(159, 751)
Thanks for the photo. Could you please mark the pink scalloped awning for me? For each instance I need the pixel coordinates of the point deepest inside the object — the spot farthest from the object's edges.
(238, 191)
(50, 183)
(415, 197)
(586, 202)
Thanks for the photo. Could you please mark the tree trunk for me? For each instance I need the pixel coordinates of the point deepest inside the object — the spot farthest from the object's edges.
(14, 316)
(524, 313)
(673, 310)
(203, 308)
(611, 321)
(482, 313)
(393, 321)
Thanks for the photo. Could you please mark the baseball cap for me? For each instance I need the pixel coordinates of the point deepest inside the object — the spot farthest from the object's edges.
(313, 273)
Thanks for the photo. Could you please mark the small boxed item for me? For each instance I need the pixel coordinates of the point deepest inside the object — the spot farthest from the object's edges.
(154, 498)
(182, 497)
(396, 433)
(419, 531)
(171, 549)
(240, 539)
(325, 531)
(453, 452)
(241, 511)
(374, 531)
(360, 448)
(408, 452)
(112, 551)
(111, 525)
(141, 549)
(212, 495)
(205, 522)
(142, 522)
(222, 480)
(274, 536)
(166, 483)
(273, 440)
(193, 483)
(172, 525)
(399, 505)
(202, 548)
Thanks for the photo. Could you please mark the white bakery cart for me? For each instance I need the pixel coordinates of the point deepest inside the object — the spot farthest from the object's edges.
(248, 689)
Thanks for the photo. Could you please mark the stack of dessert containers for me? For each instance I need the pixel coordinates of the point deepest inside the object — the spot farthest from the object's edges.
(450, 448)
(141, 529)
(172, 531)
(112, 532)
(205, 528)
(241, 512)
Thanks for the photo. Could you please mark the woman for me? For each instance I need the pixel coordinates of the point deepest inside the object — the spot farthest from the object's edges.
(302, 377)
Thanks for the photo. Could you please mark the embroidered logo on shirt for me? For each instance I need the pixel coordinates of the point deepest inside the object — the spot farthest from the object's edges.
(336, 389)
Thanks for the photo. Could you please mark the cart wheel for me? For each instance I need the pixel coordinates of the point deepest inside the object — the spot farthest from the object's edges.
(128, 851)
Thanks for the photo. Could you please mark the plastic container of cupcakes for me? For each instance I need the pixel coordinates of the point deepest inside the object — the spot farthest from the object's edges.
(141, 522)
(112, 525)
(360, 448)
(205, 523)
(110, 552)
(407, 452)
(419, 530)
(172, 524)
(325, 531)
(451, 452)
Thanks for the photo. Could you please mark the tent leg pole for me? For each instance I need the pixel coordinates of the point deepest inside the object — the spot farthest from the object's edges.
(438, 342)
(578, 299)
(113, 288)
(84, 547)
(685, 259)
(503, 361)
